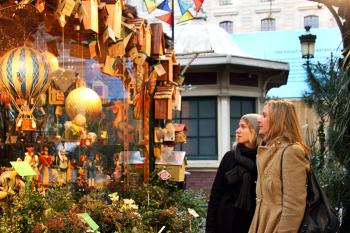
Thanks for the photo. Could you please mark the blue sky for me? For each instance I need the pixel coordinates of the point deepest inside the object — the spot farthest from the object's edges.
(285, 46)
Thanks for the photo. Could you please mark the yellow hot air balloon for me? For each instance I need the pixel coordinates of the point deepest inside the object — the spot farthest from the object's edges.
(84, 101)
(51, 60)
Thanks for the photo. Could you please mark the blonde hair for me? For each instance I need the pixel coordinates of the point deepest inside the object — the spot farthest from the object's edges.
(254, 138)
(283, 121)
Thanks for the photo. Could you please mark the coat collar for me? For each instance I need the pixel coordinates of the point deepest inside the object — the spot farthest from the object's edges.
(277, 142)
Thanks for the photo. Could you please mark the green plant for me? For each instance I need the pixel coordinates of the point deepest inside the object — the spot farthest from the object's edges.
(161, 203)
(329, 95)
(59, 199)
(149, 208)
(23, 213)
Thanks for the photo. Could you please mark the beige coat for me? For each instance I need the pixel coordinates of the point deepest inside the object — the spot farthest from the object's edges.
(274, 213)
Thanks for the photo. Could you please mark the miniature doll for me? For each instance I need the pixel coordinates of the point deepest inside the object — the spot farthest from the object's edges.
(32, 159)
(62, 165)
(46, 177)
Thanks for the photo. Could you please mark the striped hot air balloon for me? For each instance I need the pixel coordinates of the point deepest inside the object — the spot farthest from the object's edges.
(24, 72)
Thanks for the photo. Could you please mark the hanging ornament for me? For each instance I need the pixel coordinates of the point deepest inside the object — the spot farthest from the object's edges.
(51, 60)
(24, 74)
(84, 101)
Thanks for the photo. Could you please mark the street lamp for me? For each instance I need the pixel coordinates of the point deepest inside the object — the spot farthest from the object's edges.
(307, 43)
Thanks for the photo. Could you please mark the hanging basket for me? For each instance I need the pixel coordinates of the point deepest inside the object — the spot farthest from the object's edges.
(25, 123)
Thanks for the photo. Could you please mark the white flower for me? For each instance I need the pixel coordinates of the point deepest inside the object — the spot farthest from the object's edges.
(128, 201)
(193, 212)
(114, 197)
(128, 204)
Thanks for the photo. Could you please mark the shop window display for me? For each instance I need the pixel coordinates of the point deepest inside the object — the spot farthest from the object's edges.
(78, 86)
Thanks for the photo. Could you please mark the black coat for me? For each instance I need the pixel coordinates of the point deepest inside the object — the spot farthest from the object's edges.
(223, 214)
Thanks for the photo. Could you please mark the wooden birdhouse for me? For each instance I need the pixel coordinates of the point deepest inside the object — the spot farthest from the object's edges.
(167, 64)
(146, 48)
(114, 19)
(90, 19)
(139, 25)
(158, 40)
(163, 102)
(174, 162)
(56, 97)
(85, 51)
(180, 133)
(116, 49)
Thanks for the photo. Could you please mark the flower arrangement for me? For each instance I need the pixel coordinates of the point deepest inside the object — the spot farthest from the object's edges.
(150, 208)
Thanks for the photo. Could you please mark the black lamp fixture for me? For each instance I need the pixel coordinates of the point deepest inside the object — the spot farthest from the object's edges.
(307, 43)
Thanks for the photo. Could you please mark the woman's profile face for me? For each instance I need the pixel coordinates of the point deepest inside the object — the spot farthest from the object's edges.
(263, 122)
(243, 134)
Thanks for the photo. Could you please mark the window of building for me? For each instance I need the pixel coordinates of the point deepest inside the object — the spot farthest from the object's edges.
(243, 79)
(238, 107)
(227, 26)
(312, 21)
(225, 2)
(268, 24)
(201, 78)
(200, 116)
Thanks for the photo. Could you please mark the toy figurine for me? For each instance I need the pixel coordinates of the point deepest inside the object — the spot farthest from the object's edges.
(62, 166)
(90, 171)
(32, 159)
(116, 160)
(45, 170)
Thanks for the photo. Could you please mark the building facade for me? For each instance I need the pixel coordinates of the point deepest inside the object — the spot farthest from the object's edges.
(221, 93)
(239, 16)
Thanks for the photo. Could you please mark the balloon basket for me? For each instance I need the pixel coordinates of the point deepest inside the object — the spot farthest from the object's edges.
(25, 124)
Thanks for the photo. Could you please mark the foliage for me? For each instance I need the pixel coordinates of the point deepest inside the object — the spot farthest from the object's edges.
(23, 212)
(64, 222)
(329, 96)
(148, 208)
(59, 199)
(332, 176)
(162, 203)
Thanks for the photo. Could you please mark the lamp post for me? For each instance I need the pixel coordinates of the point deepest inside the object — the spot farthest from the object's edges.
(307, 43)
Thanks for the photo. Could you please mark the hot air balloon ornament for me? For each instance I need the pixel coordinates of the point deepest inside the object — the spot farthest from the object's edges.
(83, 102)
(24, 73)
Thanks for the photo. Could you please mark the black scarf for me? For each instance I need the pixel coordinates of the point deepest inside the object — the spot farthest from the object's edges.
(244, 171)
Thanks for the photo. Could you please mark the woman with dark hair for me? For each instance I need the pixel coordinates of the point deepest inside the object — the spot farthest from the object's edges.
(232, 198)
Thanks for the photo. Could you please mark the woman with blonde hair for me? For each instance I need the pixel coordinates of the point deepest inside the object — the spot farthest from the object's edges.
(283, 165)
(232, 198)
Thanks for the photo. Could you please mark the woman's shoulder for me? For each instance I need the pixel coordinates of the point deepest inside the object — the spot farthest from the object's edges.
(229, 155)
(296, 150)
(294, 147)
